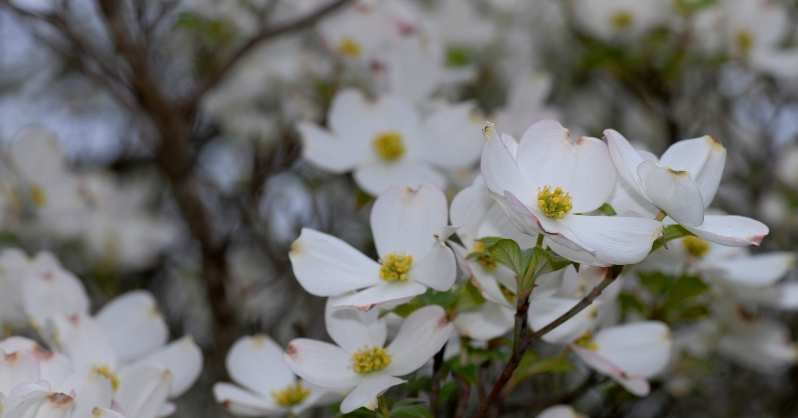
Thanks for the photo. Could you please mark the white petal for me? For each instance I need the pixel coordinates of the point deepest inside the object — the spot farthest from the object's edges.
(559, 411)
(105, 413)
(91, 389)
(421, 335)
(367, 390)
(349, 116)
(453, 138)
(687, 155)
(241, 402)
(639, 349)
(709, 178)
(329, 152)
(353, 329)
(256, 362)
(182, 358)
(545, 308)
(51, 290)
(405, 220)
(375, 178)
(83, 341)
(16, 368)
(499, 169)
(490, 321)
(758, 270)
(43, 405)
(322, 364)
(133, 324)
(437, 270)
(615, 239)
(381, 293)
(625, 158)
(327, 266)
(731, 230)
(583, 168)
(521, 217)
(672, 191)
(469, 210)
(143, 391)
(634, 384)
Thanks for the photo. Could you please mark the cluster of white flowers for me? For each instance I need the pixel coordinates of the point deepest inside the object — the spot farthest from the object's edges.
(549, 191)
(116, 363)
(110, 220)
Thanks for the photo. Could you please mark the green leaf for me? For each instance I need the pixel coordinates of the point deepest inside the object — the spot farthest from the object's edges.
(467, 372)
(656, 282)
(469, 297)
(628, 302)
(410, 410)
(683, 289)
(531, 364)
(670, 233)
(607, 209)
(459, 57)
(508, 253)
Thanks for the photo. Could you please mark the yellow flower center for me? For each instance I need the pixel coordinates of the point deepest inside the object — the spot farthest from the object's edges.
(555, 203)
(291, 395)
(621, 19)
(349, 47)
(372, 359)
(744, 41)
(586, 341)
(695, 246)
(484, 259)
(389, 146)
(396, 267)
(38, 196)
(105, 371)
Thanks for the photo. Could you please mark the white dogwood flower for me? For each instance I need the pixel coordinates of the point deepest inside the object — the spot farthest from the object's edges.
(630, 354)
(405, 223)
(268, 387)
(385, 142)
(549, 182)
(560, 411)
(547, 304)
(361, 365)
(682, 184)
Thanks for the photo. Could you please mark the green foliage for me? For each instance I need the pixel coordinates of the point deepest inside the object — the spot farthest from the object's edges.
(532, 364)
(675, 298)
(410, 408)
(607, 209)
(670, 233)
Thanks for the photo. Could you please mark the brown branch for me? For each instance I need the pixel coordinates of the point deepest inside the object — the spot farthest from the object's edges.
(255, 41)
(528, 338)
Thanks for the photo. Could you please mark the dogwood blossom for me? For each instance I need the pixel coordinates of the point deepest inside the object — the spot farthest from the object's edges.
(361, 365)
(406, 224)
(386, 143)
(682, 184)
(629, 354)
(549, 182)
(270, 388)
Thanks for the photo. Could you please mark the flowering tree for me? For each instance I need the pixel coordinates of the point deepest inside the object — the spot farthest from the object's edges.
(369, 208)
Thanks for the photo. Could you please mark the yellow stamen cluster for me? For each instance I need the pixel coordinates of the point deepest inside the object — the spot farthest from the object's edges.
(105, 372)
(586, 341)
(621, 19)
(369, 360)
(388, 146)
(555, 203)
(349, 47)
(291, 395)
(695, 246)
(484, 259)
(396, 267)
(744, 41)
(37, 196)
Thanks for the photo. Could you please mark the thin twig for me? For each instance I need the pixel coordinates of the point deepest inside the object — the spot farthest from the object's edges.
(529, 338)
(254, 42)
